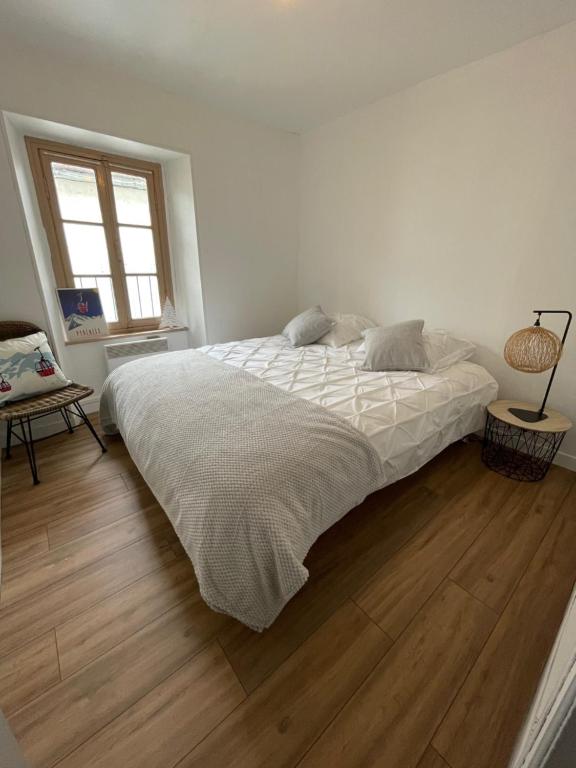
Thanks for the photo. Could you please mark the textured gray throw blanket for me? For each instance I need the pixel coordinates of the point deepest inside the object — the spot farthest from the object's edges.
(248, 474)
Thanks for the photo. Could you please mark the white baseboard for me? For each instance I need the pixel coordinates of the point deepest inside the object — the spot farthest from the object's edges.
(566, 460)
(91, 404)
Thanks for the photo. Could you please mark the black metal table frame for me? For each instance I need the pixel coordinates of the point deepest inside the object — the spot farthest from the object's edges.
(521, 453)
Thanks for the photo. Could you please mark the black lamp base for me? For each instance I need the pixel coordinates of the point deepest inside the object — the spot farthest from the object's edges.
(529, 416)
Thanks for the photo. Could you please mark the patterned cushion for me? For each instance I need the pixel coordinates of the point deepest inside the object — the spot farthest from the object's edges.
(27, 368)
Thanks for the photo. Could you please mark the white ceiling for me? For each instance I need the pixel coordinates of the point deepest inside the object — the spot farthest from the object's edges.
(290, 63)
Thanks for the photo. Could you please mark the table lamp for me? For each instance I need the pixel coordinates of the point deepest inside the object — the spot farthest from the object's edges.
(535, 350)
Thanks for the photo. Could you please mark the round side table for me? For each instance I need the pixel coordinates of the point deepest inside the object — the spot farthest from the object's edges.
(519, 449)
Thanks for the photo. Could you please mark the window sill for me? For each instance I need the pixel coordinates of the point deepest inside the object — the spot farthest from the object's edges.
(127, 334)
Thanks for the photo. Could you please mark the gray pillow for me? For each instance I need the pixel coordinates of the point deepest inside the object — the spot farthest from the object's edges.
(397, 348)
(307, 327)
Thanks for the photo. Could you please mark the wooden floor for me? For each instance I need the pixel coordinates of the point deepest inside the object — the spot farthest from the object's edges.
(417, 642)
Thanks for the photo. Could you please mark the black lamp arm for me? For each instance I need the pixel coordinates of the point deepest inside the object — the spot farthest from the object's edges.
(553, 312)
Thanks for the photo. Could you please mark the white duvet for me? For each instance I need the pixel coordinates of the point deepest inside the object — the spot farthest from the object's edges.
(408, 417)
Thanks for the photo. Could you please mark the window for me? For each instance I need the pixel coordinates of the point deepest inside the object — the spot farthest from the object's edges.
(106, 225)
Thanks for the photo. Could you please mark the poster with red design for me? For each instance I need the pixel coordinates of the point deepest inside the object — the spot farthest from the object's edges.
(82, 313)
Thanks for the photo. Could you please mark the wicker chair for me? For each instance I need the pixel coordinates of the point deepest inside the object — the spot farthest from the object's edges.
(21, 413)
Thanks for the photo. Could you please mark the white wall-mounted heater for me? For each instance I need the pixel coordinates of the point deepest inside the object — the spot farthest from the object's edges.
(125, 351)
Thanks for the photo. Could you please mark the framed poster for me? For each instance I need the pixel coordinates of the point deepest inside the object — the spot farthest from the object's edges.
(82, 313)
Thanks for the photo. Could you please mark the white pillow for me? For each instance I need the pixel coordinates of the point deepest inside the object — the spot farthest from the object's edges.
(346, 329)
(28, 367)
(444, 350)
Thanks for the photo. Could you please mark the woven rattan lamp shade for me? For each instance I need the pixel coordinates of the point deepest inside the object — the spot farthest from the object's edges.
(533, 350)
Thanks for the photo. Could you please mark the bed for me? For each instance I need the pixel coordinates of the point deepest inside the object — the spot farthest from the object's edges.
(255, 448)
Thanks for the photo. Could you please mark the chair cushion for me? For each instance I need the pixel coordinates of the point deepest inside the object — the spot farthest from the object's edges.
(28, 367)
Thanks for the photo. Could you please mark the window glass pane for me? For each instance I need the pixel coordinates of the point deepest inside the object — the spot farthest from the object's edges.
(104, 284)
(155, 296)
(87, 249)
(131, 198)
(143, 296)
(77, 192)
(107, 298)
(137, 250)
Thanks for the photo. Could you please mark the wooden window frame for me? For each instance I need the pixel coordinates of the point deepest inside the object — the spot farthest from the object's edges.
(41, 152)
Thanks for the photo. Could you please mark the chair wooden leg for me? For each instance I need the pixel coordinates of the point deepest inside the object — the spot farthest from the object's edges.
(88, 423)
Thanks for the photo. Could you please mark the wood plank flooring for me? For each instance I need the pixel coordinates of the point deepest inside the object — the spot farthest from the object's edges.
(413, 644)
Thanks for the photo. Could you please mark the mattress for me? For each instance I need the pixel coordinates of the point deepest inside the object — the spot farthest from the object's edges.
(408, 417)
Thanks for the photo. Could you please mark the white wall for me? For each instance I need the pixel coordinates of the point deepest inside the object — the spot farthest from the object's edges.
(245, 188)
(455, 201)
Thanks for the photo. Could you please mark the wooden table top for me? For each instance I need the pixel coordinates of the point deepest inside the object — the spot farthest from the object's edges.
(556, 421)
